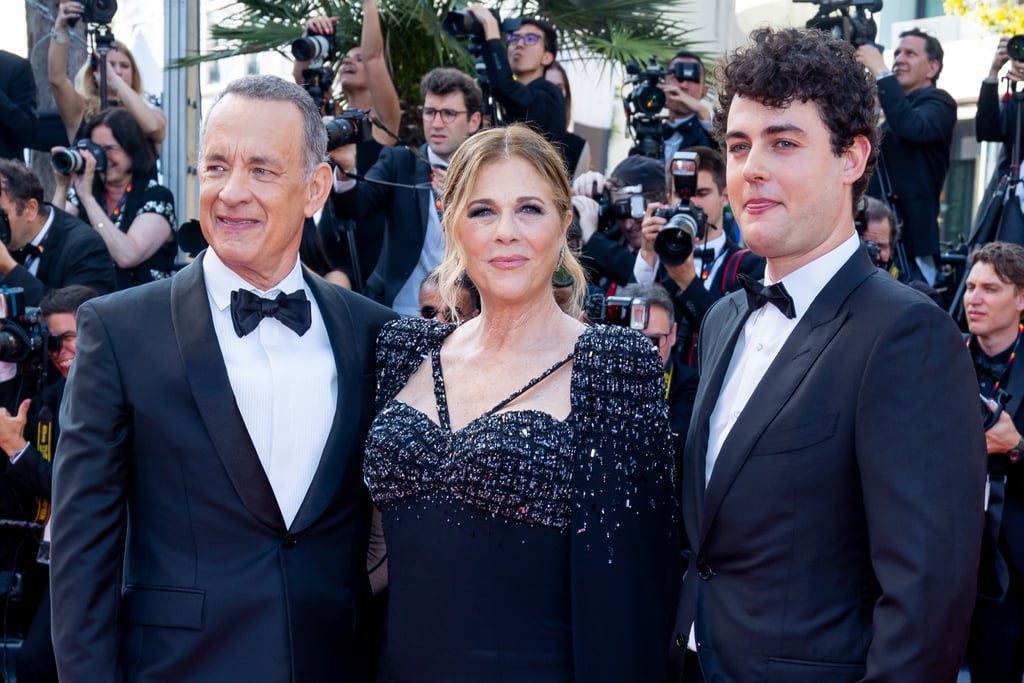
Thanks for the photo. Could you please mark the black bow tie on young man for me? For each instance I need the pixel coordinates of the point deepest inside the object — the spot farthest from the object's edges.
(23, 254)
(248, 309)
(758, 295)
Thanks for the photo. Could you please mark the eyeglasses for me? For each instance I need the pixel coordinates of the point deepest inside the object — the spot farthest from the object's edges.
(447, 115)
(110, 148)
(527, 38)
(657, 339)
(430, 313)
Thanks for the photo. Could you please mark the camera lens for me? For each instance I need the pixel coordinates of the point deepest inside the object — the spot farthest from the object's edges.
(310, 48)
(649, 99)
(1015, 48)
(674, 242)
(68, 161)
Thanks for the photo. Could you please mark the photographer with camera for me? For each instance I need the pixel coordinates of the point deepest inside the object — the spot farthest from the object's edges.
(993, 303)
(107, 180)
(688, 123)
(997, 121)
(80, 101)
(916, 139)
(406, 186)
(610, 214)
(516, 74)
(712, 268)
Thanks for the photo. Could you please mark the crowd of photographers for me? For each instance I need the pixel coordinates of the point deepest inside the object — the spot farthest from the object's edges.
(656, 234)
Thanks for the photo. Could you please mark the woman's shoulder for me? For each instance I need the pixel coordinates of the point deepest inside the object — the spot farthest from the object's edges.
(402, 345)
(601, 346)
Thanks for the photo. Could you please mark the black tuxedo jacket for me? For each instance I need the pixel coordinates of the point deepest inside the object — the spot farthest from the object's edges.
(916, 140)
(407, 215)
(73, 254)
(170, 558)
(838, 536)
(17, 105)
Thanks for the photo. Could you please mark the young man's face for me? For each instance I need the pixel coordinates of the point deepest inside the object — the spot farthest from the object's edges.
(789, 192)
(911, 66)
(525, 59)
(993, 306)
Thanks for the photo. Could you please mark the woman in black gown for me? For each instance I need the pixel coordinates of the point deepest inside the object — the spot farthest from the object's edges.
(521, 461)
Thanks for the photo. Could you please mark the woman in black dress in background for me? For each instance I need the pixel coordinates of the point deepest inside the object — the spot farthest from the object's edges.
(521, 461)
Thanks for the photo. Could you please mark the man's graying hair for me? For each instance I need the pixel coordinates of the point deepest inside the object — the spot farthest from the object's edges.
(263, 88)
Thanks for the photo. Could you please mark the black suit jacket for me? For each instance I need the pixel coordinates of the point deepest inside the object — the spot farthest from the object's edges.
(916, 140)
(407, 215)
(17, 105)
(73, 254)
(170, 558)
(838, 536)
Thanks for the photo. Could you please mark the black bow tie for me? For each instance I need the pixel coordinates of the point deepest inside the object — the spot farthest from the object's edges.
(22, 255)
(247, 309)
(706, 255)
(758, 295)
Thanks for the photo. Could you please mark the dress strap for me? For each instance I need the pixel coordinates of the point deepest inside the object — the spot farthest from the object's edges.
(440, 398)
(531, 384)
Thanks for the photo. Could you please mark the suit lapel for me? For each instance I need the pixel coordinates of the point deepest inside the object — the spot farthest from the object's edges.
(211, 388)
(815, 330)
(341, 442)
(51, 246)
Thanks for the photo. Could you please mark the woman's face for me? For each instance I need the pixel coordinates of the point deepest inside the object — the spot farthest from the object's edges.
(118, 160)
(511, 232)
(119, 62)
(557, 77)
(352, 75)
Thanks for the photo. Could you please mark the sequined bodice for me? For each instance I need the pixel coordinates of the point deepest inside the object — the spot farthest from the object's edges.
(509, 464)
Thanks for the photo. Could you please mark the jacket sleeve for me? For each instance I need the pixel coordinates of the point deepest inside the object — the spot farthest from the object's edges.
(18, 102)
(926, 118)
(609, 258)
(988, 124)
(371, 194)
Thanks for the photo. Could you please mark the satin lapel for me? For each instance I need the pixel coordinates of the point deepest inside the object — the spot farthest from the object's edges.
(421, 174)
(341, 440)
(812, 334)
(208, 378)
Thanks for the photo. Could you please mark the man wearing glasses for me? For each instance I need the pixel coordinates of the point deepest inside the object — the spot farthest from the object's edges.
(516, 73)
(407, 184)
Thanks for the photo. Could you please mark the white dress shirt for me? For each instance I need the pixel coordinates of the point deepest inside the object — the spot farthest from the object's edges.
(286, 386)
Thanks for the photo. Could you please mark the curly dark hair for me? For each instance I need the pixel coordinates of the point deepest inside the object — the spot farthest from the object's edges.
(778, 67)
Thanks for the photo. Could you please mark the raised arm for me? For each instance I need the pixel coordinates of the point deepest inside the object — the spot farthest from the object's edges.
(382, 89)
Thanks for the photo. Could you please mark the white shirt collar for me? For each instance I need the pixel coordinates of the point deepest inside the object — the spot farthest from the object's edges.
(806, 282)
(435, 160)
(221, 280)
(716, 244)
(38, 239)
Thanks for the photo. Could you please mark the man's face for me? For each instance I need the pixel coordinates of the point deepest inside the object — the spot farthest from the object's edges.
(526, 59)
(788, 190)
(62, 326)
(661, 333)
(444, 136)
(695, 90)
(993, 306)
(911, 66)
(879, 232)
(21, 223)
(712, 200)
(253, 193)
(629, 227)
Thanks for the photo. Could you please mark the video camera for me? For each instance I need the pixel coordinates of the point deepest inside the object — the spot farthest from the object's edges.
(351, 127)
(835, 17)
(96, 12)
(70, 160)
(645, 100)
(674, 242)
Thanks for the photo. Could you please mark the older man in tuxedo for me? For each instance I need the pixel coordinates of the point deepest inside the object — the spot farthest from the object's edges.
(834, 468)
(210, 518)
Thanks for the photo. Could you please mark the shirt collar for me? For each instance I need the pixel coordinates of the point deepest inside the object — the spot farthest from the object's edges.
(715, 244)
(805, 283)
(434, 159)
(221, 280)
(38, 239)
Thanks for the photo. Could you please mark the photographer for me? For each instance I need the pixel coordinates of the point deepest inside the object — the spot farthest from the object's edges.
(516, 74)
(916, 139)
(688, 123)
(993, 303)
(112, 188)
(711, 271)
(995, 122)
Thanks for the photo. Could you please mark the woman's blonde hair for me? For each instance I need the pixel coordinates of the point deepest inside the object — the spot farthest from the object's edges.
(87, 86)
(480, 150)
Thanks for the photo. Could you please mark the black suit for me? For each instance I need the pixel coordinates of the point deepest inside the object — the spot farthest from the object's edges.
(834, 542)
(17, 105)
(170, 559)
(407, 210)
(72, 254)
(916, 140)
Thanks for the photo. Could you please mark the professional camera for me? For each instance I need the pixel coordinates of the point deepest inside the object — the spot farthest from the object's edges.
(70, 160)
(645, 100)
(1015, 48)
(834, 17)
(351, 127)
(609, 210)
(97, 12)
(674, 242)
(316, 47)
(460, 24)
(23, 331)
(626, 311)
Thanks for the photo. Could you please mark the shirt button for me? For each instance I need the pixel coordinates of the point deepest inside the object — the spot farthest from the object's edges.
(704, 572)
(759, 346)
(680, 643)
(290, 542)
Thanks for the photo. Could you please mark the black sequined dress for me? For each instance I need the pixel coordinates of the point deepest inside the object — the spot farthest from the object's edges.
(488, 527)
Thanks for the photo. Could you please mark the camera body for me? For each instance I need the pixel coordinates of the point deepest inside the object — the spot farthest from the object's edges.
(1015, 48)
(674, 242)
(97, 12)
(351, 127)
(23, 332)
(625, 311)
(69, 160)
(316, 47)
(460, 24)
(835, 17)
(645, 101)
